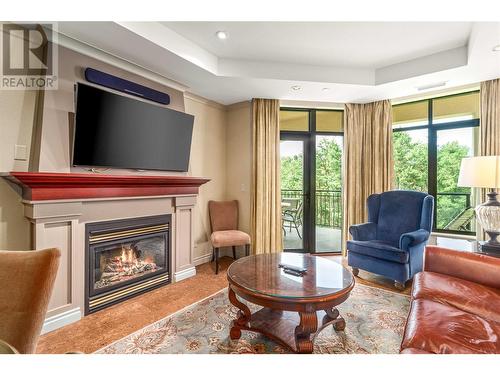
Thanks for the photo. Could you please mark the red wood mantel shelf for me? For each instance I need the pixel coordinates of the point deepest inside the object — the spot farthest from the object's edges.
(39, 186)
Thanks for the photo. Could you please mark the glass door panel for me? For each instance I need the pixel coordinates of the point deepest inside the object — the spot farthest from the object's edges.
(328, 193)
(292, 194)
(454, 208)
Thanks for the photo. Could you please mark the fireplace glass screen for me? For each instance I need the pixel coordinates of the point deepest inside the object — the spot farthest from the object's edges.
(126, 261)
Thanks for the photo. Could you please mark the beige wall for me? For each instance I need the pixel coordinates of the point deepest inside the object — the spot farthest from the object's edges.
(208, 159)
(221, 147)
(239, 159)
(17, 110)
(55, 140)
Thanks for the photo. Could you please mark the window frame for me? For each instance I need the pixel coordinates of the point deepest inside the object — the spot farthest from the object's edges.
(309, 173)
(432, 133)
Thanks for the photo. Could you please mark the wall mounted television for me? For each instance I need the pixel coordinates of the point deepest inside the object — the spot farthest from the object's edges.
(117, 131)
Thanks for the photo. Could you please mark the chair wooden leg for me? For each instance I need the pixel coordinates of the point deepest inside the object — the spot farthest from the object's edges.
(355, 271)
(213, 255)
(216, 260)
(234, 252)
(247, 250)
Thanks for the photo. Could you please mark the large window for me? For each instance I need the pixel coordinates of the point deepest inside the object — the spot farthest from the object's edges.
(430, 139)
(311, 179)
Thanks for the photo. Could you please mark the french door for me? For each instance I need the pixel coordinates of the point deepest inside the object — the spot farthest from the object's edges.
(311, 182)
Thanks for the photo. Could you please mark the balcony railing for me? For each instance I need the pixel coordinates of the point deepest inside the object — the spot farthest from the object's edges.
(328, 206)
(451, 209)
(453, 212)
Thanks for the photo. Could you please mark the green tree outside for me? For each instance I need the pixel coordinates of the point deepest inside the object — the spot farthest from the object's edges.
(410, 164)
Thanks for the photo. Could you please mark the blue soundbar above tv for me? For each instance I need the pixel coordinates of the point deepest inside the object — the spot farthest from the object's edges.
(123, 85)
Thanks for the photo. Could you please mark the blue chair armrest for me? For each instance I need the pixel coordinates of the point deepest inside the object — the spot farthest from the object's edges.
(363, 232)
(413, 238)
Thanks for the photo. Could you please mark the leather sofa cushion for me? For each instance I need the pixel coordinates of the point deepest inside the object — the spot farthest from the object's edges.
(378, 249)
(229, 238)
(465, 295)
(440, 328)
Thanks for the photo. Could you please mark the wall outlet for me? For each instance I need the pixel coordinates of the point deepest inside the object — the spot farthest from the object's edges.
(243, 187)
(20, 152)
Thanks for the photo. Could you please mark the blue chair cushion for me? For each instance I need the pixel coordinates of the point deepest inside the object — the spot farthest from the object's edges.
(378, 249)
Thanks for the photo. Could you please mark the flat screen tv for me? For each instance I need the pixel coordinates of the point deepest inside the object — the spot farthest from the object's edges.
(116, 131)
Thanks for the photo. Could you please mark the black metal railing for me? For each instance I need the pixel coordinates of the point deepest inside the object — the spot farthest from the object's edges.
(451, 212)
(329, 207)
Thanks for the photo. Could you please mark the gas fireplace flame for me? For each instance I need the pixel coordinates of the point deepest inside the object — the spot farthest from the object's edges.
(128, 255)
(124, 266)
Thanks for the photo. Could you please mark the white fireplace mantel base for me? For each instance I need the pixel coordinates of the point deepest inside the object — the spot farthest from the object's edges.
(61, 224)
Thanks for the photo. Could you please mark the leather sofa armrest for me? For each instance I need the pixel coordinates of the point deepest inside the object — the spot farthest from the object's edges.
(363, 232)
(413, 238)
(474, 267)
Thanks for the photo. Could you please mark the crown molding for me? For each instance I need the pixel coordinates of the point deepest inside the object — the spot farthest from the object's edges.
(202, 100)
(96, 53)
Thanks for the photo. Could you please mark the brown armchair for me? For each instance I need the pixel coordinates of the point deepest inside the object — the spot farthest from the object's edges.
(26, 279)
(224, 228)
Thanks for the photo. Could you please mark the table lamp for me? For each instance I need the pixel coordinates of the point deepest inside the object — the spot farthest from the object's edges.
(484, 172)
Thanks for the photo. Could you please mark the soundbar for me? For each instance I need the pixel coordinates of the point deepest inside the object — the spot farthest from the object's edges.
(123, 85)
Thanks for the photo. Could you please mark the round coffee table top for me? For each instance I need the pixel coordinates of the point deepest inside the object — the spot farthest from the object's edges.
(261, 274)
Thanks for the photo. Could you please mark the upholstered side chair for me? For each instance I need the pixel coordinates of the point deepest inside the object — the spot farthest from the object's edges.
(27, 279)
(392, 243)
(224, 228)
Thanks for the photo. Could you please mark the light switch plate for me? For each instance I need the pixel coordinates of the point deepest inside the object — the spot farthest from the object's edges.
(20, 152)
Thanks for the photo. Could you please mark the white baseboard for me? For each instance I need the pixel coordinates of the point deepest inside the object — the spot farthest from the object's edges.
(202, 259)
(184, 274)
(62, 319)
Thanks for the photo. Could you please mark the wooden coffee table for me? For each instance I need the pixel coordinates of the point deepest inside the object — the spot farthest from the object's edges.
(292, 305)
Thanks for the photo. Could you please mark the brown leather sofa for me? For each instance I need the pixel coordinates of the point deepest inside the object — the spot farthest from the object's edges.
(455, 304)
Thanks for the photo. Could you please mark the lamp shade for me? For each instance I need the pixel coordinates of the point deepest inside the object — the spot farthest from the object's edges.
(480, 172)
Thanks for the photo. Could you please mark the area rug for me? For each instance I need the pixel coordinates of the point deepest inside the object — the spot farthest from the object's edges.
(374, 317)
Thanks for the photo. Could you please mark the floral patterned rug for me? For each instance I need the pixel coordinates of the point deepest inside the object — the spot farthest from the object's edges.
(374, 317)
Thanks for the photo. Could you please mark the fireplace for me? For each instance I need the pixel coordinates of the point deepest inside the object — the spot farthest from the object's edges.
(125, 258)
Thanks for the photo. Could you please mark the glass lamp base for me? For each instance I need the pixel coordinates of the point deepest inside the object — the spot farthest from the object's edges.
(488, 216)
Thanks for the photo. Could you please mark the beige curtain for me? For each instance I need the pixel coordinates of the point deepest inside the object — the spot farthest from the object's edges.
(368, 161)
(266, 229)
(489, 140)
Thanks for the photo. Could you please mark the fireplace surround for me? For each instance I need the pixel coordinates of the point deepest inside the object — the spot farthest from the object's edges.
(125, 258)
(60, 205)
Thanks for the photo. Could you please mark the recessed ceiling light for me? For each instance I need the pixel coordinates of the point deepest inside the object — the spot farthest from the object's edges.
(325, 89)
(296, 88)
(496, 48)
(222, 35)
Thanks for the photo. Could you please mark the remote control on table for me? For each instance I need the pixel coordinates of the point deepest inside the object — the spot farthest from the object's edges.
(290, 267)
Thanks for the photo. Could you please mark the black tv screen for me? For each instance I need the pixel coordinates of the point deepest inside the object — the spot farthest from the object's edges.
(116, 131)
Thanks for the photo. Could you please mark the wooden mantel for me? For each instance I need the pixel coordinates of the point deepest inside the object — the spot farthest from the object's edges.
(40, 186)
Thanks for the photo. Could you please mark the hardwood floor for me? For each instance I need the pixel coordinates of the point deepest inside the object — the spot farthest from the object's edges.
(97, 330)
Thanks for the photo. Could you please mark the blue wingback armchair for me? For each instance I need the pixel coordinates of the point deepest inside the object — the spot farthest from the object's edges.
(393, 241)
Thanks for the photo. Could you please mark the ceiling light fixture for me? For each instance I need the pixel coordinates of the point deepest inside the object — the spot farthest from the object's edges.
(222, 35)
(496, 48)
(296, 88)
(325, 89)
(431, 86)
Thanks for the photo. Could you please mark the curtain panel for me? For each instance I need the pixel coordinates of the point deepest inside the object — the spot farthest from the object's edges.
(368, 158)
(489, 139)
(266, 224)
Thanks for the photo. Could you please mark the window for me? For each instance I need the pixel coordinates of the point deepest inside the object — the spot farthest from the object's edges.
(430, 139)
(294, 121)
(311, 179)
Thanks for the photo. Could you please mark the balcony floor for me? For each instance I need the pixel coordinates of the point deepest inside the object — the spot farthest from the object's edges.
(328, 240)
